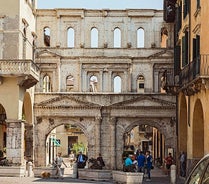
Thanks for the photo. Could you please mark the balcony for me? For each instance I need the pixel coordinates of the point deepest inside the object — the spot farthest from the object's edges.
(194, 75)
(25, 70)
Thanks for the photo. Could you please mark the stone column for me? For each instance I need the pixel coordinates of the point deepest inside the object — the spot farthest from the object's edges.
(98, 137)
(101, 81)
(113, 142)
(29, 141)
(119, 146)
(110, 82)
(15, 142)
(40, 142)
(84, 81)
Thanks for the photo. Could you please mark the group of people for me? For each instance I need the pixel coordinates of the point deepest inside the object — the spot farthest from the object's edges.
(139, 163)
(80, 159)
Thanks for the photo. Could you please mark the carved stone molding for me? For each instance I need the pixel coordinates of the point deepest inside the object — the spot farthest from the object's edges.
(192, 89)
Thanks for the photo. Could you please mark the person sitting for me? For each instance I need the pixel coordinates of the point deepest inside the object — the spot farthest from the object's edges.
(128, 164)
(100, 160)
(81, 160)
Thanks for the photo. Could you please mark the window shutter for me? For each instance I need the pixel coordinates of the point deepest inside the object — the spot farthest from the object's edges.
(177, 56)
(194, 49)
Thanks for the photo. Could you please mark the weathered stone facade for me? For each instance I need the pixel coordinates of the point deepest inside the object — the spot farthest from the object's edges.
(103, 115)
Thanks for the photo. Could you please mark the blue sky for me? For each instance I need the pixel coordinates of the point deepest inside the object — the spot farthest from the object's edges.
(101, 4)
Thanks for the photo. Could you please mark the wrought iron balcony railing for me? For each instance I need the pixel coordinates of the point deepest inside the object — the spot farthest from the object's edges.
(199, 68)
(26, 70)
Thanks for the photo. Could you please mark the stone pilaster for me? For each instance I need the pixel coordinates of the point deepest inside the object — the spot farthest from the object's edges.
(15, 142)
(29, 141)
(98, 136)
(113, 142)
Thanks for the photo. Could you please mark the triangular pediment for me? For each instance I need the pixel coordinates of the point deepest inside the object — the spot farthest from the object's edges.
(162, 54)
(47, 53)
(66, 101)
(146, 101)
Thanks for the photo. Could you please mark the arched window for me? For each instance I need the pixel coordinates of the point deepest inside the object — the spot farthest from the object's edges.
(117, 38)
(93, 83)
(47, 36)
(69, 83)
(117, 84)
(164, 37)
(70, 38)
(140, 38)
(94, 38)
(46, 84)
(140, 84)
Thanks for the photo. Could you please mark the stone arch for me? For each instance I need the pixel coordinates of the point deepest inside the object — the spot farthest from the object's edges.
(163, 125)
(27, 111)
(87, 126)
(198, 130)
(182, 129)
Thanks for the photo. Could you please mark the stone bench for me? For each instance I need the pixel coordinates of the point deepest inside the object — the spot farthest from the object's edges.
(13, 171)
(127, 177)
(95, 174)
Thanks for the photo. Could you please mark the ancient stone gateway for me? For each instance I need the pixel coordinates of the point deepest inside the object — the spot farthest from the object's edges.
(103, 125)
(105, 87)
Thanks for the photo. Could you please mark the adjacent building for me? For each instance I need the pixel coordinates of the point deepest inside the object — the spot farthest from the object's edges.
(191, 71)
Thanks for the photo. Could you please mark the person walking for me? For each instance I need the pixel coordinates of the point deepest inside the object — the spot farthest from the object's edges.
(141, 161)
(148, 165)
(182, 159)
(168, 162)
(58, 162)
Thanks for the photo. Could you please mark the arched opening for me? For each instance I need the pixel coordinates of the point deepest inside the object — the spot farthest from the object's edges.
(182, 139)
(164, 37)
(142, 138)
(47, 33)
(140, 84)
(46, 84)
(27, 108)
(140, 38)
(28, 134)
(68, 139)
(117, 38)
(198, 131)
(93, 81)
(69, 83)
(94, 38)
(117, 84)
(70, 38)
(3, 130)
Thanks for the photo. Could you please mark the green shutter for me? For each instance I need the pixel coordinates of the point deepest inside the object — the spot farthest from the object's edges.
(183, 51)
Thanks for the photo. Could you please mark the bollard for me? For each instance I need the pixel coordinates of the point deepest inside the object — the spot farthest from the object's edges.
(75, 170)
(30, 169)
(173, 174)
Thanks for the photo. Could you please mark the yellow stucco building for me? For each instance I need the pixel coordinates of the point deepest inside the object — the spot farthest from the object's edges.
(191, 73)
